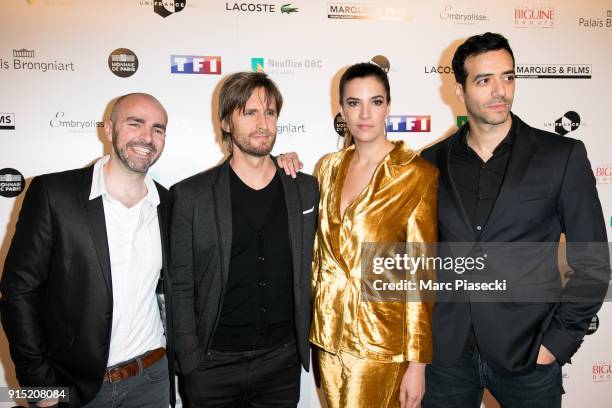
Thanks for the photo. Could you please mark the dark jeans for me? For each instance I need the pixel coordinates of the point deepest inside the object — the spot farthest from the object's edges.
(257, 379)
(462, 385)
(150, 388)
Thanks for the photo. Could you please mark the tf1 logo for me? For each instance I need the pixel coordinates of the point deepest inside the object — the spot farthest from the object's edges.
(191, 64)
(409, 123)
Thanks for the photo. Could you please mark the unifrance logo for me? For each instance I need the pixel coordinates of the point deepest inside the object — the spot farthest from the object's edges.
(192, 64)
(408, 123)
(165, 8)
(567, 123)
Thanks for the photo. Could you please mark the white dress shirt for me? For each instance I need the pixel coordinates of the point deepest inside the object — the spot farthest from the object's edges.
(134, 245)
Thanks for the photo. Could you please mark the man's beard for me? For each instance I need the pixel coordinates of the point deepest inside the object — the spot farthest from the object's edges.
(135, 166)
(260, 150)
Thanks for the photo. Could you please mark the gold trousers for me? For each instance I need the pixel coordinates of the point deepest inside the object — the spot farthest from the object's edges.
(353, 382)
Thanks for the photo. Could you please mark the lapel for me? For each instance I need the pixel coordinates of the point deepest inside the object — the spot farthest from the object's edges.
(94, 215)
(522, 153)
(293, 202)
(447, 180)
(162, 218)
(223, 215)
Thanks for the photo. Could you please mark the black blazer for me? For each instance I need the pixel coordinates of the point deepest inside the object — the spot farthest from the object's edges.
(201, 241)
(57, 299)
(548, 189)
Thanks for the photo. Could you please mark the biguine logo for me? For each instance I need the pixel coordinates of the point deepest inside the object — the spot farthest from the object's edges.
(340, 125)
(602, 372)
(593, 326)
(462, 120)
(24, 60)
(603, 174)
(534, 17)
(348, 11)
(408, 123)
(11, 183)
(192, 64)
(123, 62)
(554, 71)
(7, 121)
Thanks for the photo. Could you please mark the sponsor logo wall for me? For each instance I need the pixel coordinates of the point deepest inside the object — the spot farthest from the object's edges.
(63, 61)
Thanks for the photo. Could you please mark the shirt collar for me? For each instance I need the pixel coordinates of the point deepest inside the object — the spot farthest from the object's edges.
(508, 140)
(98, 188)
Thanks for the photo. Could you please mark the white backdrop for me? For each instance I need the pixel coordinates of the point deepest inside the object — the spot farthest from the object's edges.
(56, 85)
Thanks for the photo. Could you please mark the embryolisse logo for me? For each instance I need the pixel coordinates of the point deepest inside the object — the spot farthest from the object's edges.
(59, 121)
(461, 17)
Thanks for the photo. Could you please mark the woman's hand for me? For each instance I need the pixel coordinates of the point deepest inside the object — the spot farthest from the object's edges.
(412, 388)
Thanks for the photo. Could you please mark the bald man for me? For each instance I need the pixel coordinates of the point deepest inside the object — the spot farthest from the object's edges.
(85, 293)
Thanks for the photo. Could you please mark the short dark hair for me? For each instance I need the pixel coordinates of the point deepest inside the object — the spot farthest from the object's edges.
(476, 45)
(364, 70)
(236, 91)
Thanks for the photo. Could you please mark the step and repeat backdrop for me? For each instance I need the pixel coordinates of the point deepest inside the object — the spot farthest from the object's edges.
(63, 61)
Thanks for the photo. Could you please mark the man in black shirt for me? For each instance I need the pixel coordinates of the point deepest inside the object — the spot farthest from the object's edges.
(241, 251)
(502, 181)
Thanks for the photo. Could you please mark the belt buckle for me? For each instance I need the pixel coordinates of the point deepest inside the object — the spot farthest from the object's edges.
(110, 374)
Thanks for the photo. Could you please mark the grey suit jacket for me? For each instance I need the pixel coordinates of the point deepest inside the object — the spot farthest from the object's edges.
(201, 240)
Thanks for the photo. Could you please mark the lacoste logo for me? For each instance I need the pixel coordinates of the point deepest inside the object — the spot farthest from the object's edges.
(288, 9)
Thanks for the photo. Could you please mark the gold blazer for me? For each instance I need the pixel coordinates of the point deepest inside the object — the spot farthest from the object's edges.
(398, 205)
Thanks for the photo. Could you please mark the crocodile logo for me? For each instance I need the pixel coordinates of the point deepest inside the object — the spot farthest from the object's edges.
(288, 9)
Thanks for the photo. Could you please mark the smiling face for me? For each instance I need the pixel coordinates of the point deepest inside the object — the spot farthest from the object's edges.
(253, 130)
(489, 87)
(137, 130)
(364, 107)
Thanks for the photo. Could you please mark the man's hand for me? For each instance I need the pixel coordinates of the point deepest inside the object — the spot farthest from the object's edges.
(49, 402)
(290, 162)
(545, 357)
(412, 388)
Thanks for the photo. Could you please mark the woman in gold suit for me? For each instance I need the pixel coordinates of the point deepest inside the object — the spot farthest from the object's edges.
(370, 354)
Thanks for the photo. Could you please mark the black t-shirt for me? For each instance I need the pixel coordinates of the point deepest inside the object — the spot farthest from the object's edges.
(258, 304)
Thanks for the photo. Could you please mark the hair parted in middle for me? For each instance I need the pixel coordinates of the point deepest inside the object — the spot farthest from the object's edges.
(236, 91)
(362, 70)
